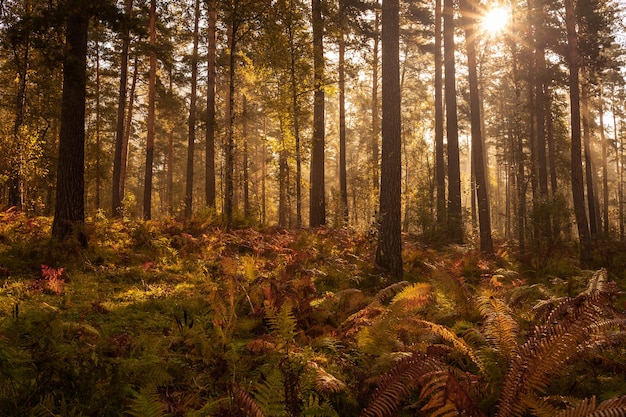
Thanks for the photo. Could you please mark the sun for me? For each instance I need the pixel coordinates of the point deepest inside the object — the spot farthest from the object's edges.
(495, 20)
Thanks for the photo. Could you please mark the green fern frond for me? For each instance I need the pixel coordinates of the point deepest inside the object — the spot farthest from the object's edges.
(270, 394)
(244, 402)
(588, 408)
(446, 334)
(313, 408)
(146, 403)
(282, 323)
(456, 287)
(414, 296)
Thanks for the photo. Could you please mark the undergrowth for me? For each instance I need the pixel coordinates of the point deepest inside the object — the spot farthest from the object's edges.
(186, 319)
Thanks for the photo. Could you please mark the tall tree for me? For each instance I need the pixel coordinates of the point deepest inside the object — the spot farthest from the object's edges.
(389, 249)
(117, 193)
(69, 212)
(480, 175)
(440, 169)
(375, 115)
(192, 113)
(317, 213)
(229, 166)
(147, 196)
(578, 191)
(343, 175)
(211, 127)
(455, 225)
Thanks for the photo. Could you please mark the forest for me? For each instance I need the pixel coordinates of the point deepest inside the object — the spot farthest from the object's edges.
(325, 208)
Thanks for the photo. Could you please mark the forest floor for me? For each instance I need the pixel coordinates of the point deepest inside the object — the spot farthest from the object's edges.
(171, 318)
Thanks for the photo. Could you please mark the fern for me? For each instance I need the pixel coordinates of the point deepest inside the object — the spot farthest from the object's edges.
(573, 325)
(397, 384)
(269, 394)
(244, 402)
(282, 323)
(313, 408)
(588, 408)
(146, 403)
(458, 343)
(500, 327)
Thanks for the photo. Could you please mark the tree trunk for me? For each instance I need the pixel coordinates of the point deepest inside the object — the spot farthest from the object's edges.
(605, 170)
(209, 187)
(192, 115)
(389, 249)
(128, 127)
(375, 121)
(229, 195)
(455, 225)
(480, 175)
(296, 114)
(117, 193)
(246, 175)
(147, 196)
(440, 169)
(69, 212)
(98, 139)
(318, 199)
(578, 191)
(594, 215)
(343, 181)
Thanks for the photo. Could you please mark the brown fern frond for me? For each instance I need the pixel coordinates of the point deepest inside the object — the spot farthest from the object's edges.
(573, 325)
(244, 402)
(588, 408)
(500, 327)
(326, 382)
(386, 294)
(398, 383)
(459, 396)
(414, 297)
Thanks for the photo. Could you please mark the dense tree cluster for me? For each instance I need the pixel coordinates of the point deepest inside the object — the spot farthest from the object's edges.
(238, 108)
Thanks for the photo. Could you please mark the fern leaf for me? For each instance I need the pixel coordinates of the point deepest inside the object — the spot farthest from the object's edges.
(244, 402)
(146, 403)
(324, 381)
(270, 394)
(446, 334)
(500, 327)
(398, 383)
(282, 323)
(574, 324)
(388, 293)
(615, 407)
(414, 296)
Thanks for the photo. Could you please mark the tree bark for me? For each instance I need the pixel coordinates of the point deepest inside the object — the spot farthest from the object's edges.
(192, 114)
(480, 175)
(578, 191)
(117, 193)
(69, 213)
(209, 188)
(440, 169)
(455, 225)
(296, 114)
(147, 196)
(389, 249)
(375, 119)
(317, 214)
(343, 180)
